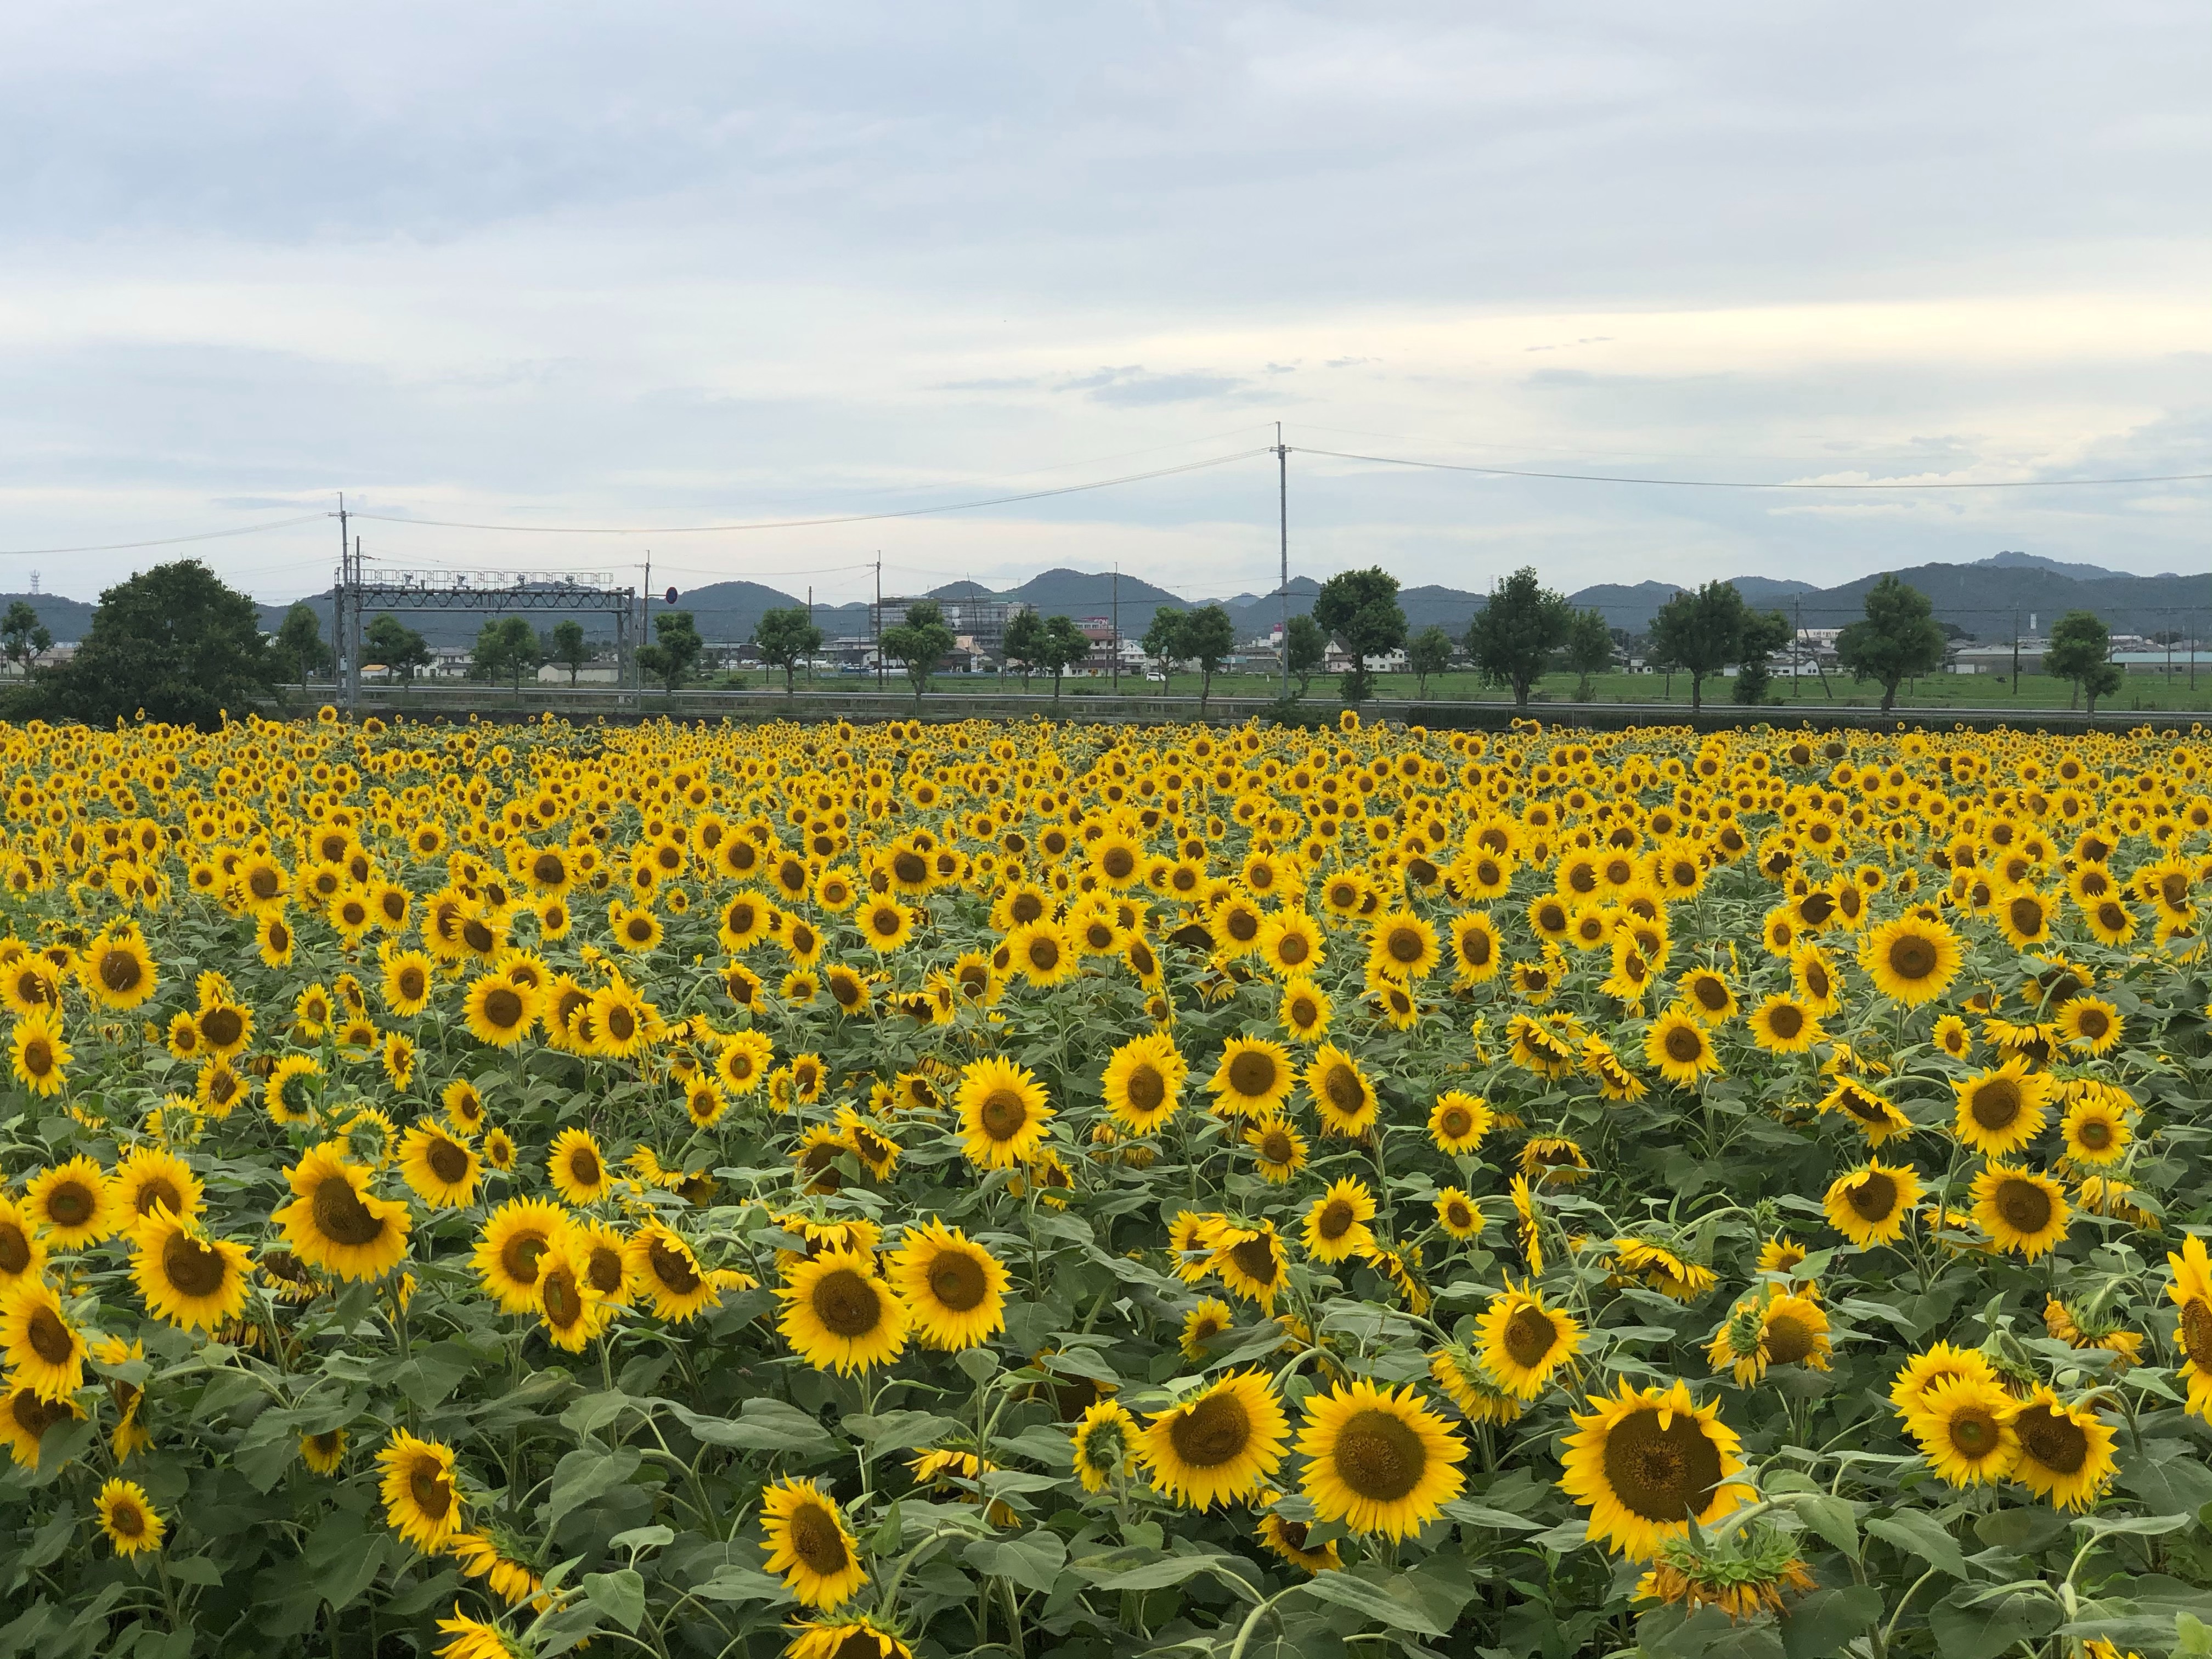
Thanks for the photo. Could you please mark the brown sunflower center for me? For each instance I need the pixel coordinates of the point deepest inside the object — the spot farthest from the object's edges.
(1873, 1197)
(1120, 863)
(2025, 1205)
(584, 1167)
(1294, 948)
(410, 983)
(817, 1541)
(1043, 953)
(1683, 1045)
(1529, 1336)
(1004, 1114)
(1378, 1454)
(71, 1203)
(1975, 1431)
(2092, 1023)
(193, 1267)
(957, 1279)
(49, 1338)
(1996, 1104)
(120, 971)
(2052, 1439)
(1340, 1084)
(1146, 1088)
(14, 1250)
(1242, 924)
(604, 1269)
(1662, 1474)
(1214, 1431)
(502, 1008)
(1785, 1020)
(128, 1519)
(1337, 1218)
(2095, 1133)
(847, 1303)
(562, 1299)
(2196, 1332)
(673, 1268)
(34, 1416)
(431, 1487)
(448, 1162)
(1276, 1147)
(1789, 1338)
(1711, 992)
(340, 1216)
(1911, 956)
(1252, 1074)
(1255, 1259)
(1456, 1122)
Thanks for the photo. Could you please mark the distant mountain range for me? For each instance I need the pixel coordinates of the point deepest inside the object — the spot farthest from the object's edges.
(1983, 598)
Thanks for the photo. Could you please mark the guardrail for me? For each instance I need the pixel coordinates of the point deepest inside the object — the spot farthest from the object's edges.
(626, 706)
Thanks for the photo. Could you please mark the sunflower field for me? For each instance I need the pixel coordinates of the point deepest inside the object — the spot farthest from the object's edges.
(861, 1192)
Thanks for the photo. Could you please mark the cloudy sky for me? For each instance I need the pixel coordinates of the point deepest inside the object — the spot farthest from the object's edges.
(645, 266)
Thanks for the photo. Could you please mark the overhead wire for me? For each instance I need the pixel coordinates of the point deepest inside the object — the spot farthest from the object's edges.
(161, 541)
(1733, 484)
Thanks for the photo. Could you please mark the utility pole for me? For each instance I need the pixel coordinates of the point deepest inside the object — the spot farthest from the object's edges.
(1117, 630)
(876, 620)
(1283, 508)
(644, 631)
(2016, 651)
(353, 637)
(338, 600)
(809, 623)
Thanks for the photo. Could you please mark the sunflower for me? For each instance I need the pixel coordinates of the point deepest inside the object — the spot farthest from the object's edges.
(43, 1351)
(128, 1518)
(117, 971)
(1940, 1363)
(421, 1499)
(1459, 1216)
(954, 1291)
(1783, 1025)
(324, 1453)
(1528, 1230)
(1680, 1046)
(39, 1056)
(2191, 1291)
(1280, 1148)
(1342, 1095)
(334, 1222)
(662, 1262)
(850, 1638)
(2020, 1209)
(1912, 961)
(605, 1254)
(511, 1248)
(1143, 1083)
(1706, 996)
(1457, 1122)
(743, 1060)
(805, 1538)
(1291, 944)
(1523, 1342)
(1221, 1445)
(1464, 1382)
(2065, 1451)
(1210, 1318)
(568, 1304)
(1003, 1113)
(2096, 1131)
(1104, 1441)
(1378, 1461)
(24, 1418)
(576, 1167)
(2090, 1024)
(73, 1204)
(1336, 1226)
(1648, 1461)
(287, 1095)
(464, 1105)
(1964, 1426)
(22, 1252)
(1402, 946)
(1251, 1263)
(149, 1179)
(1952, 1037)
(439, 1165)
(1043, 955)
(408, 978)
(2001, 1111)
(1875, 1115)
(1304, 1011)
(1253, 1079)
(186, 1277)
(1868, 1205)
(2024, 917)
(838, 1316)
(1191, 1241)
(499, 1012)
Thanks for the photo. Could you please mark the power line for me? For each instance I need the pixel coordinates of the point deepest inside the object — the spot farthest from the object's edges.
(1726, 484)
(804, 524)
(165, 541)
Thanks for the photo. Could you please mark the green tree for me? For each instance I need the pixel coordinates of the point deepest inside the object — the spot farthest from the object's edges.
(1428, 652)
(2081, 650)
(1026, 645)
(22, 636)
(506, 649)
(1897, 640)
(1765, 633)
(1704, 632)
(1208, 637)
(1587, 650)
(1512, 637)
(568, 646)
(1164, 642)
(398, 646)
(675, 650)
(1065, 644)
(919, 644)
(785, 638)
(298, 648)
(1360, 609)
(173, 642)
(1307, 648)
